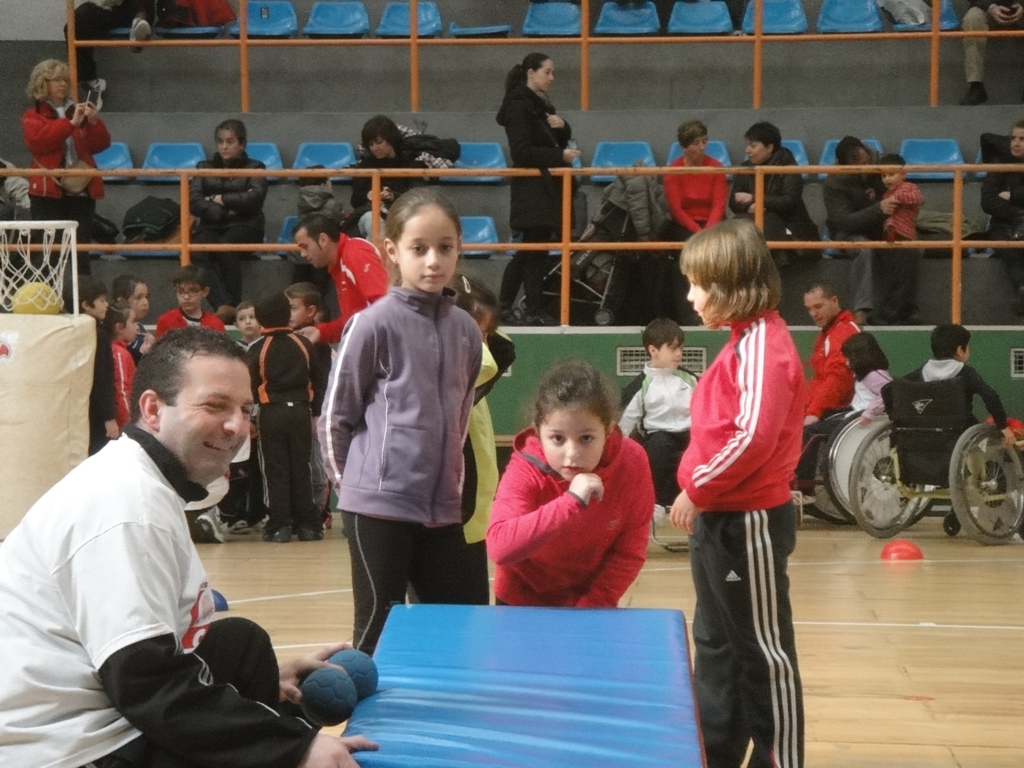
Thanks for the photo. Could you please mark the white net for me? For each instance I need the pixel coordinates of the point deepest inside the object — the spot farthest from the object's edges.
(34, 257)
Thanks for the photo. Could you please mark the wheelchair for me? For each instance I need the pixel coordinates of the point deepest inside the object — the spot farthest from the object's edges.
(834, 454)
(930, 449)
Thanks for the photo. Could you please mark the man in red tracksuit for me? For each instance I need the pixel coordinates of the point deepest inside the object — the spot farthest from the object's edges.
(354, 264)
(735, 502)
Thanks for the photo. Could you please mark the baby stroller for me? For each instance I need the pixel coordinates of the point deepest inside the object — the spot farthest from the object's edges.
(596, 287)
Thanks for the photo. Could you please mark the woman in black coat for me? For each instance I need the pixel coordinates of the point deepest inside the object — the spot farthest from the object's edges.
(230, 210)
(537, 138)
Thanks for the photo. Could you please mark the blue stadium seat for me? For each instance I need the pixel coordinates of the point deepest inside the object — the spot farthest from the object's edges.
(705, 18)
(799, 152)
(840, 16)
(781, 17)
(163, 154)
(268, 153)
(948, 21)
(394, 22)
(115, 157)
(329, 154)
(478, 154)
(337, 18)
(615, 19)
(828, 152)
(284, 236)
(552, 20)
(269, 18)
(186, 33)
(478, 229)
(491, 30)
(715, 149)
(619, 154)
(931, 152)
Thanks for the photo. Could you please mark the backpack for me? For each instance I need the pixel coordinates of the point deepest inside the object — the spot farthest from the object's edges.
(151, 220)
(194, 13)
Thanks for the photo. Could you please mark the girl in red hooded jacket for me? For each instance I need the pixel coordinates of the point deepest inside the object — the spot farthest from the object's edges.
(572, 515)
(58, 132)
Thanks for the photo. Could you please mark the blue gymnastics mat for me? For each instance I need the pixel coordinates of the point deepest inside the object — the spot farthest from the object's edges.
(539, 687)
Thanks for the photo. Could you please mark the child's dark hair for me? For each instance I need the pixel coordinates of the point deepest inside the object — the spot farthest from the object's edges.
(947, 339)
(662, 331)
(245, 305)
(272, 309)
(517, 75)
(892, 158)
(123, 287)
(473, 296)
(864, 354)
(574, 385)
(89, 290)
(307, 293)
(190, 274)
(409, 204)
(115, 316)
(766, 133)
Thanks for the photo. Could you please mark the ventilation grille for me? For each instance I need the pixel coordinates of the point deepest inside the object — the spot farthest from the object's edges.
(1016, 363)
(629, 361)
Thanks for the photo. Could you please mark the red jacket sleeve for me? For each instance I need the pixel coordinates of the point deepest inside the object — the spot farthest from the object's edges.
(364, 272)
(832, 384)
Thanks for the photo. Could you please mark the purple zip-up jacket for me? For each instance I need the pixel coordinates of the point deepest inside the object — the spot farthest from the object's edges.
(397, 408)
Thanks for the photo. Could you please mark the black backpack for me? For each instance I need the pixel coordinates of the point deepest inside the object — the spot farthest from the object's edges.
(151, 220)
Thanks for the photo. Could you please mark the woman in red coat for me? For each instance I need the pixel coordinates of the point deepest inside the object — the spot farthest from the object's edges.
(58, 132)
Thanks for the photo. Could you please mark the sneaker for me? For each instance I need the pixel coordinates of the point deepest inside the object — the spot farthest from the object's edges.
(210, 527)
(244, 527)
(280, 536)
(97, 86)
(328, 517)
(975, 95)
(306, 533)
(141, 30)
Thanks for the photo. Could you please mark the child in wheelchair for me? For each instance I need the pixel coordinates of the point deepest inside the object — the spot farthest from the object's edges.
(656, 404)
(951, 350)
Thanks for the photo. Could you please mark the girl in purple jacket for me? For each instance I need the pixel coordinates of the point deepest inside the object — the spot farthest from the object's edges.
(396, 416)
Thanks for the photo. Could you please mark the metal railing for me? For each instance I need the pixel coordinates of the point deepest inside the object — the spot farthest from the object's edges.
(584, 42)
(955, 243)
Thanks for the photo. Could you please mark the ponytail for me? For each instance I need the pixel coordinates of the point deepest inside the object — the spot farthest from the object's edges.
(517, 75)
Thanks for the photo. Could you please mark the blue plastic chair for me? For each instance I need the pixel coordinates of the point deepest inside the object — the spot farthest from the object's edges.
(268, 153)
(781, 17)
(269, 18)
(839, 16)
(618, 19)
(487, 30)
(478, 154)
(552, 20)
(715, 149)
(948, 21)
(116, 157)
(799, 152)
(828, 152)
(337, 18)
(478, 229)
(619, 154)
(186, 33)
(284, 236)
(395, 20)
(164, 155)
(705, 18)
(931, 152)
(329, 154)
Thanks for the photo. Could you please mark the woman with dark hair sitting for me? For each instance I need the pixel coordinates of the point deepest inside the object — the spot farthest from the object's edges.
(230, 210)
(384, 148)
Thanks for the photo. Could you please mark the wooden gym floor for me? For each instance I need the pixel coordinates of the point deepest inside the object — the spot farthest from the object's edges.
(912, 664)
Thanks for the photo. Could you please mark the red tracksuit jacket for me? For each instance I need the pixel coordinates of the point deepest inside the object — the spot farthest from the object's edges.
(549, 548)
(747, 421)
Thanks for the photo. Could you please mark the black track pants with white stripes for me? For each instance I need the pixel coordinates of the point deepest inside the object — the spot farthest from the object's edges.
(746, 677)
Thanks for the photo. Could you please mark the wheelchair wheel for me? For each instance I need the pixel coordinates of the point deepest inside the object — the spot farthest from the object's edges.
(604, 316)
(875, 498)
(986, 485)
(839, 453)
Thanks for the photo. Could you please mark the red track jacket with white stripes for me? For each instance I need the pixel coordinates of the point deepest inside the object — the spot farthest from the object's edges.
(747, 421)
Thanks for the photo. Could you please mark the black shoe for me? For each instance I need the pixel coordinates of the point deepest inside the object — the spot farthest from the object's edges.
(309, 534)
(281, 535)
(975, 95)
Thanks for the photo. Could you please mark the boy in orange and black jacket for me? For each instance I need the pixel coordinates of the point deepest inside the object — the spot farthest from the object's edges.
(288, 384)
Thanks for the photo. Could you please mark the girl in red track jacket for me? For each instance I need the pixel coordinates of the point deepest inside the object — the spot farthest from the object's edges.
(572, 515)
(747, 412)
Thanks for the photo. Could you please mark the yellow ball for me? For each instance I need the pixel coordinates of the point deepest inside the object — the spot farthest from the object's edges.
(35, 299)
